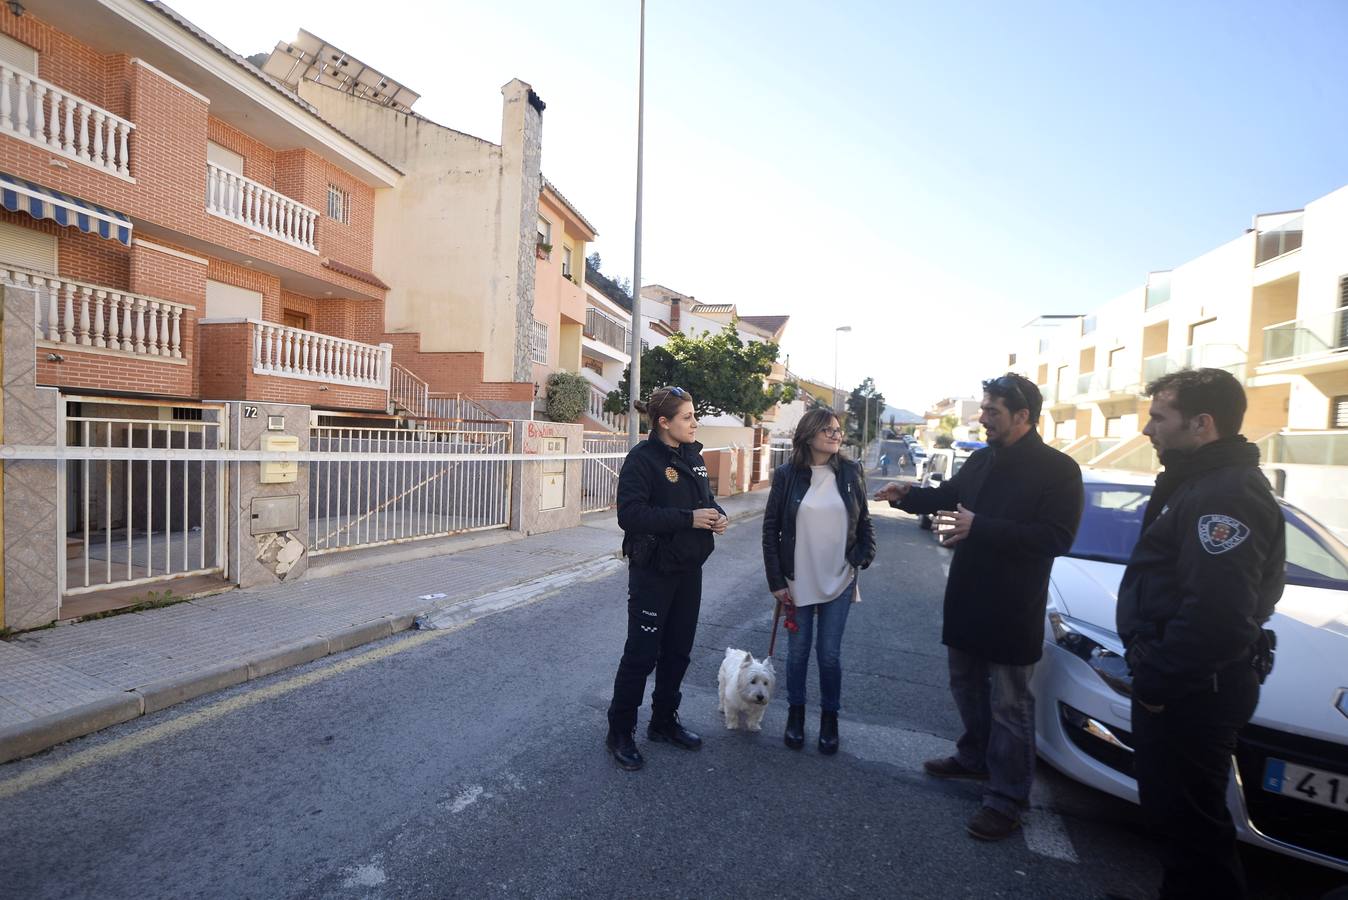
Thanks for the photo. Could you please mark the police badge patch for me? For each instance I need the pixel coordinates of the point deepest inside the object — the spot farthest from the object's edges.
(1219, 534)
(672, 475)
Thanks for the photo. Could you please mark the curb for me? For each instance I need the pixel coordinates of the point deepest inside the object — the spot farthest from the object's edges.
(36, 735)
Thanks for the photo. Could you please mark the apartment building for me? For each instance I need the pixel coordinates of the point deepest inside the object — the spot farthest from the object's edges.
(1270, 306)
(560, 304)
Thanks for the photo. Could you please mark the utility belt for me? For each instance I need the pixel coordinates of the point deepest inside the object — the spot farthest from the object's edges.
(1260, 660)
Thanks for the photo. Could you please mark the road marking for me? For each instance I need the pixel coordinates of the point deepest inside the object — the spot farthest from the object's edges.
(130, 743)
(466, 799)
(1045, 832)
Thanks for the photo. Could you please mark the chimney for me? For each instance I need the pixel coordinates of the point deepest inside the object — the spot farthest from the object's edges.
(674, 314)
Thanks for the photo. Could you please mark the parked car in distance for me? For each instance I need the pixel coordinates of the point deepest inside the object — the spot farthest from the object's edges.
(941, 467)
(1289, 783)
(919, 458)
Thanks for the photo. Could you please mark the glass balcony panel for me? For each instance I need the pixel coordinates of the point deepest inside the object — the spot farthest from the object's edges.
(1325, 333)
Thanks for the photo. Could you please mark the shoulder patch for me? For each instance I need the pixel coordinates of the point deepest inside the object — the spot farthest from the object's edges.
(1219, 534)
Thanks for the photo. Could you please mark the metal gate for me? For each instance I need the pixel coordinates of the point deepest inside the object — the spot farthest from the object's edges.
(363, 503)
(141, 521)
(599, 477)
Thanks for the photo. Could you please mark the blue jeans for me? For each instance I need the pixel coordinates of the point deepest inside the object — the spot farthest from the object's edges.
(997, 709)
(832, 618)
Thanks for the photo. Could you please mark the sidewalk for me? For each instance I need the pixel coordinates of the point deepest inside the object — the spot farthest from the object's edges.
(64, 682)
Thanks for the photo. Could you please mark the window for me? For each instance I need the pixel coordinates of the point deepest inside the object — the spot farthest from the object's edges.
(538, 343)
(1114, 426)
(27, 248)
(566, 261)
(1338, 412)
(1010, 359)
(339, 204)
(1158, 289)
(1088, 325)
(17, 55)
(544, 232)
(223, 158)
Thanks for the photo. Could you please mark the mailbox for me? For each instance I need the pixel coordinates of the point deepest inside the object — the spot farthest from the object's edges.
(272, 514)
(552, 476)
(279, 472)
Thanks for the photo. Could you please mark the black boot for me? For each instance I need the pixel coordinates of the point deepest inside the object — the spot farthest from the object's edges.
(795, 727)
(623, 748)
(828, 733)
(667, 729)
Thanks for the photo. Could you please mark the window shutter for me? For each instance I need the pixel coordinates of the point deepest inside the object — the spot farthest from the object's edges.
(17, 55)
(1342, 328)
(1338, 412)
(27, 248)
(223, 158)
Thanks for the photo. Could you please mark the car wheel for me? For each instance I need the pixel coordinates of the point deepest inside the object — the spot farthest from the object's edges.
(924, 522)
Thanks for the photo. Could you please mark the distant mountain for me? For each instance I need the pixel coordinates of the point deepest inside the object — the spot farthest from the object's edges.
(901, 416)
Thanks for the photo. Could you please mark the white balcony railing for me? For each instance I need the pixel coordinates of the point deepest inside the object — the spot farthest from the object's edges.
(260, 208)
(295, 353)
(614, 421)
(79, 316)
(40, 113)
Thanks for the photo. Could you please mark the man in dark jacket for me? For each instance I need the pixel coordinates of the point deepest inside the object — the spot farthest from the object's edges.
(1012, 508)
(1202, 581)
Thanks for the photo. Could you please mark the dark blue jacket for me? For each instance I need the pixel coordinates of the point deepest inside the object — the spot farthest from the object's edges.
(658, 489)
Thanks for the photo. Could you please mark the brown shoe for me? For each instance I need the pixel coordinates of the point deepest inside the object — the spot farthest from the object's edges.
(989, 825)
(949, 767)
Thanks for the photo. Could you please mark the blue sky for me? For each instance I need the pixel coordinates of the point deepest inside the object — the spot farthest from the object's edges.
(933, 175)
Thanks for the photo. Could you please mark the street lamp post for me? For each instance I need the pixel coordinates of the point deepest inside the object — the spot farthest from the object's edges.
(634, 351)
(836, 332)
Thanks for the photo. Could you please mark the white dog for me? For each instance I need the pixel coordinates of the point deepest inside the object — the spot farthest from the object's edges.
(746, 689)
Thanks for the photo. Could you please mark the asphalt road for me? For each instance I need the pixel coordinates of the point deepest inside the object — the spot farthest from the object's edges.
(470, 763)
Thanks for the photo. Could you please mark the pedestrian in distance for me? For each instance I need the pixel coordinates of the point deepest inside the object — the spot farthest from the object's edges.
(1203, 579)
(668, 517)
(1010, 510)
(884, 465)
(817, 534)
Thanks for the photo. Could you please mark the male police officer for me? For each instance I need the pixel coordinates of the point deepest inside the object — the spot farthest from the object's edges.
(1201, 582)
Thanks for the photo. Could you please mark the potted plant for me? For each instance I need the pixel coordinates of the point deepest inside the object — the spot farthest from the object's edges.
(544, 250)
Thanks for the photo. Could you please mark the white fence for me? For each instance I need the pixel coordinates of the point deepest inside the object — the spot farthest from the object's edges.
(139, 521)
(295, 353)
(355, 502)
(599, 477)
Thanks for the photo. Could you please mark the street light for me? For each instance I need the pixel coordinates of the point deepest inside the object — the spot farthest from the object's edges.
(634, 351)
(836, 331)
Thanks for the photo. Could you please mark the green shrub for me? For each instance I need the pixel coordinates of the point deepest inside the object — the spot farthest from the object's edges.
(567, 396)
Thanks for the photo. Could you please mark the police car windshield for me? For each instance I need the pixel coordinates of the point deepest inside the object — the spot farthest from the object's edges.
(1112, 521)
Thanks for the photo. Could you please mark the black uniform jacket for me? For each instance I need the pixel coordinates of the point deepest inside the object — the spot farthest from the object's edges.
(1026, 500)
(1202, 579)
(658, 489)
(789, 487)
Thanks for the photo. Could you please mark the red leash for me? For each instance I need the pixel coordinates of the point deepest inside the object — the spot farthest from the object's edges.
(791, 625)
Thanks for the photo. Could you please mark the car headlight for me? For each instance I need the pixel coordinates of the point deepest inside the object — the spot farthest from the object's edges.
(1089, 645)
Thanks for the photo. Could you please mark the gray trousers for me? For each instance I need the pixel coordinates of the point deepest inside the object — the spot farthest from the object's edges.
(997, 709)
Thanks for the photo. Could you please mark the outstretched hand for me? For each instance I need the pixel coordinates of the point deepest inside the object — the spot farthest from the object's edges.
(893, 492)
(953, 527)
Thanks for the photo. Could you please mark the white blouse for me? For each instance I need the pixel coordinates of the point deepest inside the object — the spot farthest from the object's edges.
(822, 571)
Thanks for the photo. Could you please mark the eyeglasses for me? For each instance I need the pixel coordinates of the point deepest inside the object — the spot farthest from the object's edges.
(831, 432)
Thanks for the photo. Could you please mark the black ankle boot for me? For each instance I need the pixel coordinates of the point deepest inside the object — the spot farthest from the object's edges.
(828, 733)
(795, 727)
(668, 729)
(624, 748)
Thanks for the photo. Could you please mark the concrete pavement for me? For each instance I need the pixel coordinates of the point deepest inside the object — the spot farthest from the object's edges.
(60, 683)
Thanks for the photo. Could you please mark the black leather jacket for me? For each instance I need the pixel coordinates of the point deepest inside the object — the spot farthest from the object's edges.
(789, 486)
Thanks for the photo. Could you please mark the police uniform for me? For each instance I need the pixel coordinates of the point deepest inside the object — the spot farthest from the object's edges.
(1202, 581)
(658, 489)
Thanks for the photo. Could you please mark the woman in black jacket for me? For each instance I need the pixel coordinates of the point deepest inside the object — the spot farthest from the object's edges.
(668, 517)
(816, 534)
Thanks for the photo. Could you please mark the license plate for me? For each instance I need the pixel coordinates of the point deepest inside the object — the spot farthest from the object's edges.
(1316, 786)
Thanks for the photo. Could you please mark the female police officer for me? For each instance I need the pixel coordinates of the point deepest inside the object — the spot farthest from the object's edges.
(668, 516)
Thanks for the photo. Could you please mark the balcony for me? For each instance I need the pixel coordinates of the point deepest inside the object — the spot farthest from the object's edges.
(1116, 382)
(73, 315)
(1216, 356)
(1309, 344)
(1279, 240)
(258, 207)
(286, 352)
(1153, 367)
(38, 112)
(608, 331)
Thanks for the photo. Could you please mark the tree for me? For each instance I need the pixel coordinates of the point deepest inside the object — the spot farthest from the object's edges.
(723, 373)
(864, 406)
(946, 435)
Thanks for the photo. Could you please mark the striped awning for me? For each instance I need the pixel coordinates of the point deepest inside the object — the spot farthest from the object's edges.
(20, 195)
